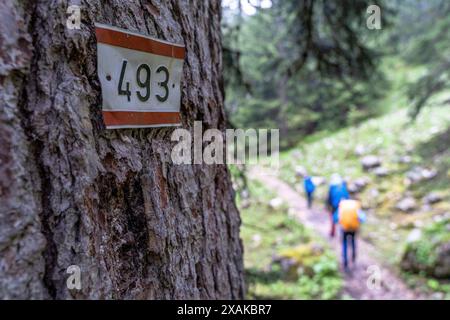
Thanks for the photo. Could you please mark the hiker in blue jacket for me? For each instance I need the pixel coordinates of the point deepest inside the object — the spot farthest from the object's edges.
(309, 189)
(337, 192)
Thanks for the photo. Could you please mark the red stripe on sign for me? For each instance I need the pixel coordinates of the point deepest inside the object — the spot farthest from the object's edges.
(123, 118)
(135, 42)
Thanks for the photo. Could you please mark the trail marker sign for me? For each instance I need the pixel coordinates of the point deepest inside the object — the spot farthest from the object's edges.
(140, 78)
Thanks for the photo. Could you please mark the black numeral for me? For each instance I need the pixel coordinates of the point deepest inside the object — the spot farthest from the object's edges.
(145, 84)
(127, 91)
(163, 84)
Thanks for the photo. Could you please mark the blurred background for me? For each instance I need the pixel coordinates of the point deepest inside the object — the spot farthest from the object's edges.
(368, 104)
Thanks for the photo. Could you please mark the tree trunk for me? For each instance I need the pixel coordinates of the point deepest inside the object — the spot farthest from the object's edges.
(109, 201)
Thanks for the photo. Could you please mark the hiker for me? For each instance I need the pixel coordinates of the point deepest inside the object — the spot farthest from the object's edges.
(337, 192)
(349, 217)
(309, 189)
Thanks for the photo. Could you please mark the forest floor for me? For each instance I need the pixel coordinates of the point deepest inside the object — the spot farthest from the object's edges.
(369, 278)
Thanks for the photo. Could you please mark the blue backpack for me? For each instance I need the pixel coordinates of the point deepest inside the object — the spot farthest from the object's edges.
(309, 185)
(337, 193)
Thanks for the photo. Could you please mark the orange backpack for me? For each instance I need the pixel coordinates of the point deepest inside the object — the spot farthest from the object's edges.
(348, 214)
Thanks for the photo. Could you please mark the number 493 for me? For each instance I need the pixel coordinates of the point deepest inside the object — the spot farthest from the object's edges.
(143, 76)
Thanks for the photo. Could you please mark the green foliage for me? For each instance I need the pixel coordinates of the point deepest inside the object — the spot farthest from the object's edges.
(327, 152)
(270, 285)
(425, 253)
(317, 67)
(422, 36)
(428, 285)
(425, 248)
(313, 67)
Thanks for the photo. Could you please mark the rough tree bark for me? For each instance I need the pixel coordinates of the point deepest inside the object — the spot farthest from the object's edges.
(109, 201)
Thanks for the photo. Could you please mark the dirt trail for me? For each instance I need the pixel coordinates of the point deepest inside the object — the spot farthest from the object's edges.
(356, 282)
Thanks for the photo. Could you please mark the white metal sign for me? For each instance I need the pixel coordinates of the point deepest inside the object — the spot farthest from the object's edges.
(140, 78)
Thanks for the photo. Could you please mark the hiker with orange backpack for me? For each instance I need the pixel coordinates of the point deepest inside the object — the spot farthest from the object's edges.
(349, 216)
(337, 192)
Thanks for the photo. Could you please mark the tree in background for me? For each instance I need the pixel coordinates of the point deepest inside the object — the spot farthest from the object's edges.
(310, 65)
(422, 34)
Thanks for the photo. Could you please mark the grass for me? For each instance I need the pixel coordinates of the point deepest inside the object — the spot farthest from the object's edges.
(267, 233)
(389, 136)
(430, 285)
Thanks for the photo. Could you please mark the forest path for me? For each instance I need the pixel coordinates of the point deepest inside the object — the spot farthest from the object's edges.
(362, 281)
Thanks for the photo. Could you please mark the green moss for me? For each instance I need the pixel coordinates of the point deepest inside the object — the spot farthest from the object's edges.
(424, 252)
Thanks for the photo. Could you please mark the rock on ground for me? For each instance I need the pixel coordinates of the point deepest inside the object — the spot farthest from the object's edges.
(418, 174)
(275, 203)
(405, 159)
(300, 171)
(381, 172)
(432, 198)
(414, 235)
(407, 204)
(358, 185)
(370, 162)
(440, 266)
